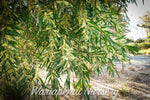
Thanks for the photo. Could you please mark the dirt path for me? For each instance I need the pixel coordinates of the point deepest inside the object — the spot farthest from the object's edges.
(141, 60)
(133, 84)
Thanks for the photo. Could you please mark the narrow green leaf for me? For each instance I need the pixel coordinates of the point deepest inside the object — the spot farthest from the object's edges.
(79, 82)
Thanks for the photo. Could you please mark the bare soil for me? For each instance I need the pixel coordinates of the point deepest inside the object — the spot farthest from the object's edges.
(133, 84)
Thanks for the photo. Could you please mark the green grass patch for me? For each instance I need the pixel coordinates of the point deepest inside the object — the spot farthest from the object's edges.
(144, 51)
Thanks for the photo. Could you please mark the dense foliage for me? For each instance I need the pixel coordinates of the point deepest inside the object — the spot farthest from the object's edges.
(60, 36)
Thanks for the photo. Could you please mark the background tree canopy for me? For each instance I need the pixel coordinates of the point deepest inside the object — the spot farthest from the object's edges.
(146, 23)
(62, 36)
(144, 44)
